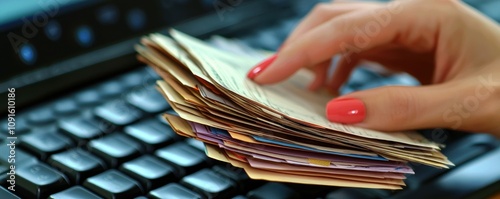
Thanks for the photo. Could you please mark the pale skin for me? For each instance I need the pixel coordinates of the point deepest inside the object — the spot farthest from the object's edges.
(452, 49)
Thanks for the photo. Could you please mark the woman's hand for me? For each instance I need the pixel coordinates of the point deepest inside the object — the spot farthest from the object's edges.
(450, 48)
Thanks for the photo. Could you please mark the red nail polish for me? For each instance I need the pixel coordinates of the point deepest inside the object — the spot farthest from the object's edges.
(260, 67)
(346, 110)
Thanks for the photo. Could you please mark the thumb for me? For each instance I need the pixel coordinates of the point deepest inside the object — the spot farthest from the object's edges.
(393, 108)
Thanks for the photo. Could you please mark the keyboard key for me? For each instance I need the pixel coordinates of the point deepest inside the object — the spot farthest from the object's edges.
(152, 133)
(79, 129)
(237, 175)
(196, 144)
(132, 79)
(65, 106)
(151, 74)
(460, 151)
(111, 89)
(470, 147)
(173, 191)
(472, 177)
(183, 156)
(273, 190)
(39, 181)
(113, 184)
(39, 116)
(6, 194)
(45, 144)
(115, 149)
(19, 157)
(210, 184)
(149, 171)
(76, 192)
(77, 164)
(88, 97)
(118, 112)
(148, 99)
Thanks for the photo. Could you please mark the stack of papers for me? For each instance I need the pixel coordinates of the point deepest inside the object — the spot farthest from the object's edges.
(278, 132)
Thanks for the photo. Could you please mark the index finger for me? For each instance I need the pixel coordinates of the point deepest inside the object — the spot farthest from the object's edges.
(324, 12)
(339, 35)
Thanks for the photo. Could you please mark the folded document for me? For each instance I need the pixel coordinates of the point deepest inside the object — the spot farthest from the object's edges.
(277, 132)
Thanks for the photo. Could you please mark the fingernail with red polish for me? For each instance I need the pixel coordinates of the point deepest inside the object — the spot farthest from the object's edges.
(346, 110)
(261, 67)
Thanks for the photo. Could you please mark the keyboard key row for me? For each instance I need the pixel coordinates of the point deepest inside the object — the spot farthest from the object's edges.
(137, 88)
(115, 184)
(132, 107)
(146, 175)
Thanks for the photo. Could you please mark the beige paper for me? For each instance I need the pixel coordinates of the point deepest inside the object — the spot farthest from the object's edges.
(285, 99)
(282, 177)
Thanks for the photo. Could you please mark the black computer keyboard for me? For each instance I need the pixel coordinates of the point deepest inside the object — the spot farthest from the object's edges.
(109, 141)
